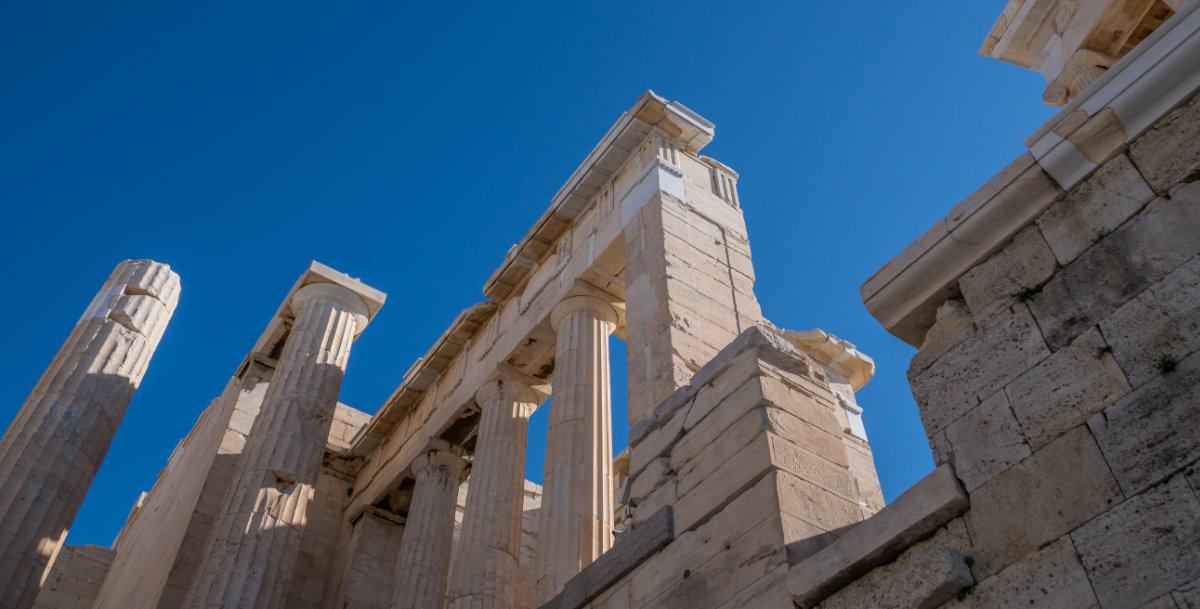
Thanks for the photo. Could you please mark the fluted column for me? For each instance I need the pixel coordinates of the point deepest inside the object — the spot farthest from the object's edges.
(252, 548)
(489, 547)
(424, 562)
(576, 519)
(50, 453)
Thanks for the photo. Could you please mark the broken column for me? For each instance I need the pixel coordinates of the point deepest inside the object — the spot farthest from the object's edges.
(486, 571)
(254, 543)
(422, 569)
(576, 519)
(51, 451)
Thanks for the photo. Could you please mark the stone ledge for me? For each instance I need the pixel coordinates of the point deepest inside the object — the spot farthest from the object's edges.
(635, 545)
(878, 540)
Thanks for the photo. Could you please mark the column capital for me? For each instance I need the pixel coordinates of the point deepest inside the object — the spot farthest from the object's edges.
(514, 385)
(435, 459)
(332, 292)
(592, 304)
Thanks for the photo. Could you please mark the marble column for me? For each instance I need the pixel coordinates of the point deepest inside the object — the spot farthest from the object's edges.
(423, 567)
(51, 451)
(253, 546)
(489, 549)
(576, 519)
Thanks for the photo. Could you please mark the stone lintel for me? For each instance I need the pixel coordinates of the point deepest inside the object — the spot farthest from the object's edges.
(633, 546)
(576, 196)
(919, 512)
(904, 295)
(837, 353)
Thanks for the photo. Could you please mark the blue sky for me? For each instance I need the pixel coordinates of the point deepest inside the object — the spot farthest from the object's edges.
(411, 145)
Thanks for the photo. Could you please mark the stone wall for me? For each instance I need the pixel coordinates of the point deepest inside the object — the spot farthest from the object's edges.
(734, 477)
(75, 578)
(1063, 391)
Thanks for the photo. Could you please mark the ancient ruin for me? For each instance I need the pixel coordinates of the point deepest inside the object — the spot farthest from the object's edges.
(1055, 311)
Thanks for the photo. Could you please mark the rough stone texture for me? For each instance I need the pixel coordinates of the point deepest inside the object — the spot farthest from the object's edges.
(1168, 153)
(1058, 488)
(1135, 256)
(991, 287)
(1063, 391)
(51, 451)
(368, 562)
(1154, 431)
(1050, 577)
(977, 368)
(1161, 322)
(74, 578)
(1143, 548)
(982, 443)
(953, 325)
(925, 582)
(916, 514)
(1094, 209)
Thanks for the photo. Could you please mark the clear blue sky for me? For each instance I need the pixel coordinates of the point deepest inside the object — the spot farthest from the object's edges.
(411, 144)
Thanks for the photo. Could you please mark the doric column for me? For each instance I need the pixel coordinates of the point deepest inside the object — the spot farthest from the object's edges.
(423, 566)
(489, 548)
(248, 558)
(51, 451)
(576, 518)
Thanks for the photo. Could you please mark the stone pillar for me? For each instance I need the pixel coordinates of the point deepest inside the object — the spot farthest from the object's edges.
(423, 566)
(52, 449)
(489, 549)
(576, 520)
(248, 558)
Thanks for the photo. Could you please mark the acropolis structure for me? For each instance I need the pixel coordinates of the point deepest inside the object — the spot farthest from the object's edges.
(1057, 375)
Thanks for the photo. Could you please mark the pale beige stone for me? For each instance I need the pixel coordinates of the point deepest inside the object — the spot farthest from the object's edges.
(1144, 547)
(983, 443)
(1050, 577)
(75, 577)
(52, 449)
(1066, 389)
(1168, 154)
(422, 568)
(953, 325)
(1058, 488)
(1094, 209)
(923, 582)
(1026, 261)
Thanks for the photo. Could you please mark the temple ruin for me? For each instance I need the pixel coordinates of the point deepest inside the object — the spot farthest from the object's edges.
(1055, 312)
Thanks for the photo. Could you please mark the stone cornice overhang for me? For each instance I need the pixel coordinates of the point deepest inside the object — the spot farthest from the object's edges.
(1155, 77)
(570, 203)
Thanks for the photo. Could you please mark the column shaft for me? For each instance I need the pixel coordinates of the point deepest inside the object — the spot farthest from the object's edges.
(254, 543)
(50, 453)
(423, 566)
(489, 548)
(576, 519)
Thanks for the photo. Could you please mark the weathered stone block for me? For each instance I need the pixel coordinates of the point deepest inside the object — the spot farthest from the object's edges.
(1063, 391)
(984, 442)
(1163, 602)
(924, 582)
(1169, 152)
(977, 368)
(1148, 247)
(1051, 577)
(917, 513)
(1094, 208)
(1058, 488)
(1161, 322)
(1143, 548)
(953, 325)
(1188, 595)
(990, 287)
(1154, 431)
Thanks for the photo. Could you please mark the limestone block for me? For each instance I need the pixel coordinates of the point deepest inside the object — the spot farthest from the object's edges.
(1154, 431)
(1096, 207)
(1143, 548)
(1188, 596)
(1063, 391)
(1161, 321)
(924, 582)
(983, 443)
(1135, 256)
(1025, 261)
(977, 368)
(1050, 577)
(769, 592)
(655, 475)
(1168, 153)
(1058, 488)
(953, 325)
(915, 514)
(743, 561)
(1163, 602)
(656, 443)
